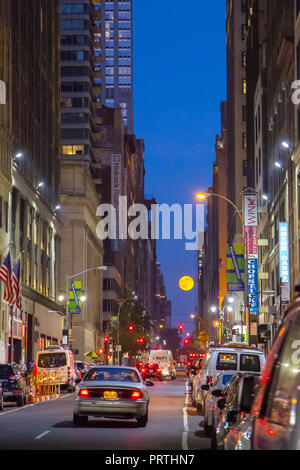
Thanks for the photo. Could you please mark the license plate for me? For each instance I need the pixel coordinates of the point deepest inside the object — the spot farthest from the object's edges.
(110, 396)
(150, 370)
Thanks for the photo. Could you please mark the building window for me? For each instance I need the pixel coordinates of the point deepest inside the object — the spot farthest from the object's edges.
(244, 86)
(244, 6)
(244, 59)
(244, 140)
(73, 149)
(244, 32)
(72, 9)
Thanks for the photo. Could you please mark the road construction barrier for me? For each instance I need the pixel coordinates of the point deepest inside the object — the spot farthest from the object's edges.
(43, 386)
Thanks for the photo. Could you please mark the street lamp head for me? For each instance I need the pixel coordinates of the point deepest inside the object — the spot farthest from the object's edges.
(40, 184)
(285, 144)
(19, 155)
(231, 299)
(58, 207)
(61, 298)
(265, 197)
(83, 298)
(213, 309)
(102, 268)
(278, 164)
(201, 196)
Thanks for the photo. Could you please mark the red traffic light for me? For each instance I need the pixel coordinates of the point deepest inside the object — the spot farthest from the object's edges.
(180, 328)
(140, 340)
(106, 339)
(130, 328)
(186, 341)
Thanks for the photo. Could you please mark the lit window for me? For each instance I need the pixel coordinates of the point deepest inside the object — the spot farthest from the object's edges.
(72, 149)
(244, 86)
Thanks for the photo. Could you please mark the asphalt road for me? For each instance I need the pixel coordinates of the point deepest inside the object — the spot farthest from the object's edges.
(173, 425)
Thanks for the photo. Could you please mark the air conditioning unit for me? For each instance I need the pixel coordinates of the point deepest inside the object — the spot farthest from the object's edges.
(279, 98)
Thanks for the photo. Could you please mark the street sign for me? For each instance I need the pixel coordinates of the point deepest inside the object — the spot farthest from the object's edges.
(118, 347)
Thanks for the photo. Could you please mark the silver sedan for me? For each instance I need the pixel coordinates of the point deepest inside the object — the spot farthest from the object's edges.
(112, 392)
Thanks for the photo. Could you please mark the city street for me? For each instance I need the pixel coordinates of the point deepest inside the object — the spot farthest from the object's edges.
(48, 425)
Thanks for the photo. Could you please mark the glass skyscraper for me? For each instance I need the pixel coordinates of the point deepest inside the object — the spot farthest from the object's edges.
(117, 73)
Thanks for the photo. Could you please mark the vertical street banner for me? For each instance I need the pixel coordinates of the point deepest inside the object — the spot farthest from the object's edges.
(284, 263)
(116, 191)
(235, 267)
(74, 297)
(251, 222)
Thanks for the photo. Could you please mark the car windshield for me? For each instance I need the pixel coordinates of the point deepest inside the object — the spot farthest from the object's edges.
(226, 361)
(250, 363)
(109, 374)
(5, 371)
(51, 360)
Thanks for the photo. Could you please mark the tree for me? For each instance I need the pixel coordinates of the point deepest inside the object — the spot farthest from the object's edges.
(132, 313)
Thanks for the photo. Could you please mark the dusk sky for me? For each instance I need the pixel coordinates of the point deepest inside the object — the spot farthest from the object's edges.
(179, 83)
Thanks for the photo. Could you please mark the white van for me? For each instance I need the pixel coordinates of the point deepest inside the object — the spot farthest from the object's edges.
(164, 359)
(59, 360)
(228, 360)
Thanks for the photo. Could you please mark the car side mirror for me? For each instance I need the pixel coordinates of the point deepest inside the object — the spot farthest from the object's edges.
(205, 387)
(217, 393)
(231, 416)
(221, 403)
(149, 383)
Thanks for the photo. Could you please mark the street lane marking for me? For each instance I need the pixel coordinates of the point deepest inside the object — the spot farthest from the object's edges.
(40, 436)
(185, 420)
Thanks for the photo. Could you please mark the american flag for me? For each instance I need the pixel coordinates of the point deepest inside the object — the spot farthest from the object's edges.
(6, 277)
(16, 283)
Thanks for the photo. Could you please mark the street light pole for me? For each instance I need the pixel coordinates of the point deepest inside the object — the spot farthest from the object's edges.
(118, 331)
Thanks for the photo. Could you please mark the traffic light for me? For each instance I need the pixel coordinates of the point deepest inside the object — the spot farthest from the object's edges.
(106, 339)
(130, 328)
(140, 340)
(101, 351)
(186, 341)
(180, 329)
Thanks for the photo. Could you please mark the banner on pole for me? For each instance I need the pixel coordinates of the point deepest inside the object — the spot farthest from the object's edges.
(74, 297)
(235, 268)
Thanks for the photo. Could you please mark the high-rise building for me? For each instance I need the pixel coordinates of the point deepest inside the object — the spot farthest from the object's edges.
(117, 80)
(30, 150)
(81, 166)
(236, 29)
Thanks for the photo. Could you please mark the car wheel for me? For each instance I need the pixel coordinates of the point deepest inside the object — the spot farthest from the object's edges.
(79, 420)
(142, 422)
(20, 401)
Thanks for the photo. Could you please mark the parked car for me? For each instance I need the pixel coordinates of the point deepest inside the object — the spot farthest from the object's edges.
(112, 392)
(275, 412)
(227, 359)
(193, 370)
(13, 384)
(151, 371)
(1, 397)
(61, 360)
(214, 391)
(233, 404)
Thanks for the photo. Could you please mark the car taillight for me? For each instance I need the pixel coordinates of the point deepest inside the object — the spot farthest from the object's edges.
(143, 370)
(158, 370)
(136, 395)
(208, 380)
(84, 393)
